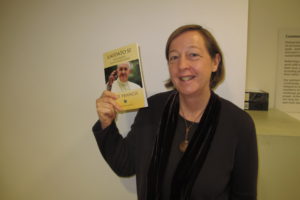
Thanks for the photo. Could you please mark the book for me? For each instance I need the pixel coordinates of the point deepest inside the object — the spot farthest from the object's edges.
(256, 100)
(124, 76)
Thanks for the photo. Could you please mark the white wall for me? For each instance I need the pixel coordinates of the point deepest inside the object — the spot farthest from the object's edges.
(266, 17)
(51, 73)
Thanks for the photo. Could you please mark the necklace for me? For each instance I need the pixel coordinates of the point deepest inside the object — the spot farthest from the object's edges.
(185, 143)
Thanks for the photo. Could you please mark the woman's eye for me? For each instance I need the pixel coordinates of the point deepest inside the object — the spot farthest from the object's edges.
(173, 58)
(193, 55)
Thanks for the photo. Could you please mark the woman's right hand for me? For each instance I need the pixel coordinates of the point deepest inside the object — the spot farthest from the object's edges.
(107, 108)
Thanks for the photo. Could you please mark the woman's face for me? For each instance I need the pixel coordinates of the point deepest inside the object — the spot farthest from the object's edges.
(190, 64)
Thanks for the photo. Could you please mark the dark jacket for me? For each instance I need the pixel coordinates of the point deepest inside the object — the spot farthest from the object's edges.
(229, 172)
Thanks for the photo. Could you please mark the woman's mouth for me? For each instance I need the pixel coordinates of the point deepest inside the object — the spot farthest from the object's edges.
(186, 78)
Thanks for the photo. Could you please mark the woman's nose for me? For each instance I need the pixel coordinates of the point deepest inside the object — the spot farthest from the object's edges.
(183, 63)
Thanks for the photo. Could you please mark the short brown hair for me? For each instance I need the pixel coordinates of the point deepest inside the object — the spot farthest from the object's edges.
(212, 46)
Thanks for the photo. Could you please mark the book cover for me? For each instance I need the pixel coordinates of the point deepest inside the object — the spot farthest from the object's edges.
(123, 76)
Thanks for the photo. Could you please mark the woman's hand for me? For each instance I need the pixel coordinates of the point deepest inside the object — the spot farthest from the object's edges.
(107, 108)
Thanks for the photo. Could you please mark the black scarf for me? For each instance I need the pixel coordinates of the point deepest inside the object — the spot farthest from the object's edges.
(193, 159)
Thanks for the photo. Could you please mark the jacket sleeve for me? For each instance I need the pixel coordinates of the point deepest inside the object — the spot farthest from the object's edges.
(117, 151)
(244, 175)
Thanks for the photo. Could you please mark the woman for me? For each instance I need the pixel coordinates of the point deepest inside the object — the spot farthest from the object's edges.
(189, 143)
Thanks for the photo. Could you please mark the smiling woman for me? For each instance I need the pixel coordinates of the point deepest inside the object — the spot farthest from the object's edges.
(211, 46)
(51, 70)
(190, 65)
(189, 143)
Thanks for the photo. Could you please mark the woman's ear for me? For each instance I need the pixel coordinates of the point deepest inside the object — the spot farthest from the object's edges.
(215, 62)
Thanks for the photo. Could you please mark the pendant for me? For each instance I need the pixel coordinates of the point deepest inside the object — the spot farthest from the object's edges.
(183, 145)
